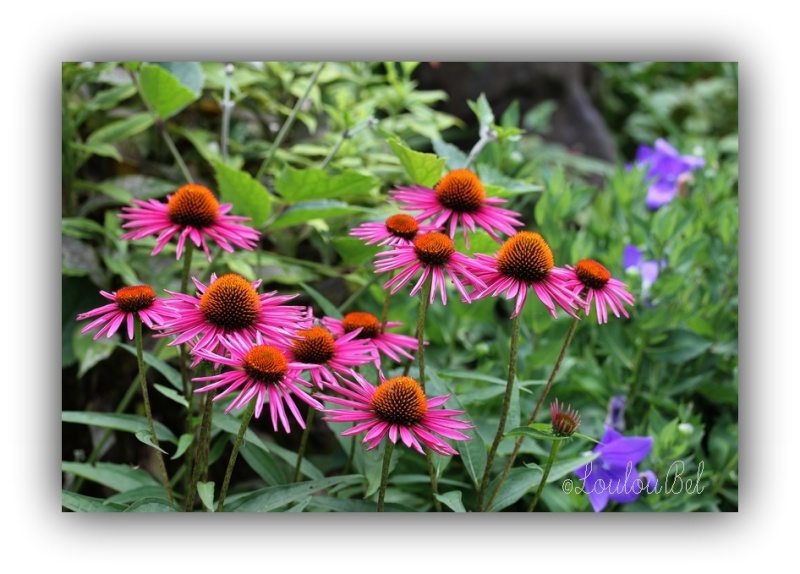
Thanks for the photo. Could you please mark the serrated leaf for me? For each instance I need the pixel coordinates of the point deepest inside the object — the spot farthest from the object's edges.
(205, 490)
(119, 477)
(248, 196)
(81, 503)
(171, 374)
(422, 168)
(295, 185)
(190, 74)
(308, 210)
(121, 130)
(117, 421)
(327, 307)
(455, 158)
(154, 505)
(184, 442)
(275, 497)
(163, 91)
(146, 437)
(482, 111)
(452, 500)
(172, 394)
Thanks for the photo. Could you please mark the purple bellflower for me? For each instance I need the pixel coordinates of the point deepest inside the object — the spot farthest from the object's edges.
(632, 259)
(666, 171)
(613, 474)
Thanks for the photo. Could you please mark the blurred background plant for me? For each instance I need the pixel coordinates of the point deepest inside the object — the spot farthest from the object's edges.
(309, 151)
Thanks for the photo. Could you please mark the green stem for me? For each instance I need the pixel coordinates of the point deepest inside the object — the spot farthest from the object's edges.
(303, 441)
(289, 122)
(227, 106)
(512, 372)
(520, 440)
(553, 452)
(387, 457)
(201, 453)
(424, 299)
(187, 269)
(434, 480)
(488, 135)
(633, 393)
(147, 410)
(347, 134)
(350, 456)
(248, 414)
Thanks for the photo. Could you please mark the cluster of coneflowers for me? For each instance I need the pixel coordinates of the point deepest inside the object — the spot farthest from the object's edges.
(262, 350)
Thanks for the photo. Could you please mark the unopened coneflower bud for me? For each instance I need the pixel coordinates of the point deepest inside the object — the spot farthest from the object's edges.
(565, 421)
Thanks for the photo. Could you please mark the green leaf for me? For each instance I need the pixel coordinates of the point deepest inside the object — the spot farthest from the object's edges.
(300, 506)
(455, 158)
(205, 490)
(163, 91)
(518, 482)
(172, 394)
(184, 442)
(354, 251)
(422, 168)
(231, 425)
(248, 196)
(119, 477)
(82, 503)
(296, 185)
(190, 74)
(102, 149)
(327, 307)
(271, 470)
(171, 374)
(117, 421)
(308, 210)
(154, 505)
(452, 500)
(121, 130)
(681, 345)
(275, 497)
(146, 437)
(91, 352)
(482, 111)
(562, 468)
(137, 494)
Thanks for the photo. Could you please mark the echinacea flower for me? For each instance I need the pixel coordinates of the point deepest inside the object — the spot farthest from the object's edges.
(607, 292)
(397, 408)
(434, 254)
(191, 212)
(459, 199)
(666, 169)
(565, 421)
(323, 354)
(261, 372)
(399, 229)
(524, 262)
(613, 474)
(393, 345)
(230, 305)
(128, 303)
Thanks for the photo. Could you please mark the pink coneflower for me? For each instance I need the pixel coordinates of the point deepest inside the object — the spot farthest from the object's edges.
(400, 229)
(605, 290)
(260, 372)
(128, 303)
(230, 305)
(398, 408)
(323, 354)
(393, 345)
(459, 198)
(191, 212)
(526, 261)
(435, 254)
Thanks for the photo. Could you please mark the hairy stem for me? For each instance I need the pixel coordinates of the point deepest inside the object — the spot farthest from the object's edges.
(248, 414)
